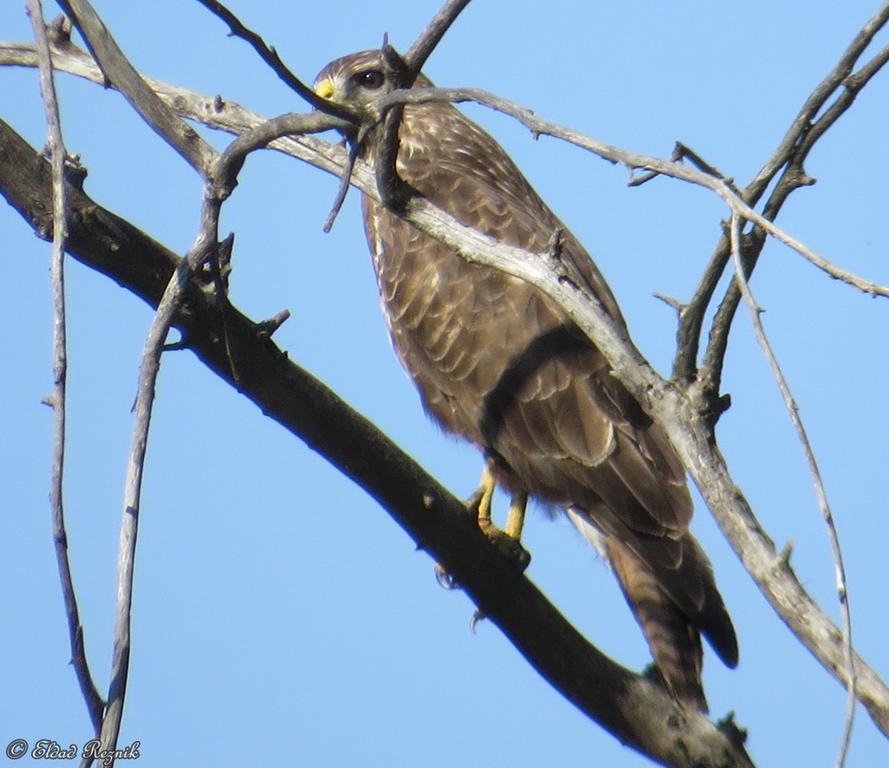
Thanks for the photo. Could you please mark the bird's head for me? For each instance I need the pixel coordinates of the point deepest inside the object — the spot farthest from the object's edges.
(356, 79)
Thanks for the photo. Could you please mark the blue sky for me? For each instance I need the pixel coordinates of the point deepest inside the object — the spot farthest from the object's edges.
(281, 617)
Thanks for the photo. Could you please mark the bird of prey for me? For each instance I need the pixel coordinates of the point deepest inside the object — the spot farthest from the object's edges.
(499, 363)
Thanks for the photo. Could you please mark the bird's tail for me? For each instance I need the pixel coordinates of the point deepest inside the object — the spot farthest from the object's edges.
(674, 642)
(673, 607)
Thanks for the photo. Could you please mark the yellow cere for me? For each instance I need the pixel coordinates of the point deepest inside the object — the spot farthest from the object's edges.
(324, 89)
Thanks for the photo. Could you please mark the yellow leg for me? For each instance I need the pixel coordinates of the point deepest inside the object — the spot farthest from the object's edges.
(515, 518)
(484, 496)
(480, 503)
(507, 541)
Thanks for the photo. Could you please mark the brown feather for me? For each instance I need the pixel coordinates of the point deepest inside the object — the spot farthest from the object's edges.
(674, 645)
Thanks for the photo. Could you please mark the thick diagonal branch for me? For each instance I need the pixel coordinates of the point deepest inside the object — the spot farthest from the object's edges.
(633, 708)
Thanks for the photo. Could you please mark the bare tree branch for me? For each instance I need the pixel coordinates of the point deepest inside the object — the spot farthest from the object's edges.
(117, 70)
(632, 707)
(148, 371)
(270, 56)
(123, 76)
(820, 491)
(58, 156)
(220, 180)
(344, 185)
(802, 125)
(431, 36)
(842, 85)
(403, 71)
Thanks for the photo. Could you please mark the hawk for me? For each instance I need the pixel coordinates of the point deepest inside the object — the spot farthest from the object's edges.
(499, 363)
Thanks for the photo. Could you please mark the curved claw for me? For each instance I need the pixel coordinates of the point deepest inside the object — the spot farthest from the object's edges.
(444, 579)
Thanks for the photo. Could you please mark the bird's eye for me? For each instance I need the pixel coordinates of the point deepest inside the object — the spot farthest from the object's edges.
(372, 79)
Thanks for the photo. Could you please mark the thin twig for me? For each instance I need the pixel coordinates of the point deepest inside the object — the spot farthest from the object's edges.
(270, 56)
(682, 151)
(820, 491)
(403, 71)
(118, 71)
(149, 369)
(802, 123)
(384, 138)
(423, 46)
(57, 153)
(790, 153)
(219, 182)
(344, 185)
(851, 86)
